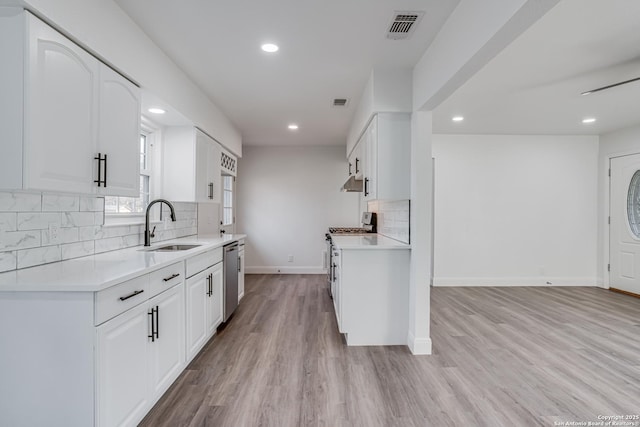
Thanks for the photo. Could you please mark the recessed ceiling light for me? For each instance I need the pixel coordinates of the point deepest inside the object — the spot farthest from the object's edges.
(457, 118)
(269, 47)
(293, 126)
(588, 120)
(156, 110)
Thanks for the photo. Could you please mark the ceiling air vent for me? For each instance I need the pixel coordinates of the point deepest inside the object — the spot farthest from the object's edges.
(403, 24)
(340, 102)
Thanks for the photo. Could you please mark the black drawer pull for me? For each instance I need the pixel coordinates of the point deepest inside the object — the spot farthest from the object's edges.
(132, 295)
(173, 276)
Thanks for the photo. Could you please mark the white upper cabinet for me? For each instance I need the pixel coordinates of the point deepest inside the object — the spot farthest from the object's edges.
(60, 107)
(386, 148)
(119, 134)
(355, 161)
(63, 107)
(191, 166)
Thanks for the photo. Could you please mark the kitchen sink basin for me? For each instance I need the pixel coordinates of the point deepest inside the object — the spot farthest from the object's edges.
(173, 248)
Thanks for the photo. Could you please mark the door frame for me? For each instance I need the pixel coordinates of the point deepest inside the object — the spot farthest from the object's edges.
(606, 235)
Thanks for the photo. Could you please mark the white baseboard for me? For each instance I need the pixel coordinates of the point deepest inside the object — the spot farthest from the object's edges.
(515, 281)
(418, 346)
(284, 270)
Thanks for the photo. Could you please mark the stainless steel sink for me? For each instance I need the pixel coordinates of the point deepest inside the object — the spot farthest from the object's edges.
(173, 248)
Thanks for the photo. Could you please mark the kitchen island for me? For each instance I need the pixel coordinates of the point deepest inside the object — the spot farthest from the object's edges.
(371, 290)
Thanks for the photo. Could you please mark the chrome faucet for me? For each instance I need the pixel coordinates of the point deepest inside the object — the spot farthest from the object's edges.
(149, 234)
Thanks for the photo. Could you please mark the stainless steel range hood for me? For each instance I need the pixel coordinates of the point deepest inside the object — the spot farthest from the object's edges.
(352, 185)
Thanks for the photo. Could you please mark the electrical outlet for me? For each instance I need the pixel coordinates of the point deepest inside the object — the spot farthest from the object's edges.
(54, 232)
(290, 258)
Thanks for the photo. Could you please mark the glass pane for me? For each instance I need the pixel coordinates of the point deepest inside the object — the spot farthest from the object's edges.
(227, 182)
(227, 216)
(110, 204)
(143, 152)
(228, 199)
(633, 204)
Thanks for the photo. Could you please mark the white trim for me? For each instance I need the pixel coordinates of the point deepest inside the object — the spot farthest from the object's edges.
(515, 281)
(419, 346)
(285, 270)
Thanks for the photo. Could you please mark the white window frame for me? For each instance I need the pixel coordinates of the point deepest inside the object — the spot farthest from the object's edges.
(224, 206)
(151, 131)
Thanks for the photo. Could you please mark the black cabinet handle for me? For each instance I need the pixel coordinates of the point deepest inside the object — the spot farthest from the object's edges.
(211, 190)
(333, 273)
(349, 168)
(173, 276)
(100, 181)
(105, 171)
(132, 295)
(366, 187)
(357, 162)
(239, 264)
(157, 322)
(210, 285)
(153, 325)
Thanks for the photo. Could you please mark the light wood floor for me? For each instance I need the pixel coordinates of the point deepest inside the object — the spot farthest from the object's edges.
(502, 357)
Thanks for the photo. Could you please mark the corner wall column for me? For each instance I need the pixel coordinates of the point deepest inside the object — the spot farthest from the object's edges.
(418, 339)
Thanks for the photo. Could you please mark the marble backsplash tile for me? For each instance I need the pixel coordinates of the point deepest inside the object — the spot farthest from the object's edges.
(26, 217)
(393, 218)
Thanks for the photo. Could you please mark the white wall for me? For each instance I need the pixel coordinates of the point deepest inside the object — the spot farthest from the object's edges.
(515, 210)
(387, 90)
(287, 197)
(103, 28)
(619, 143)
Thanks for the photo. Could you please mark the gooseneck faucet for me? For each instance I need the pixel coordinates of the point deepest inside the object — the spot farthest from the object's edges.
(149, 234)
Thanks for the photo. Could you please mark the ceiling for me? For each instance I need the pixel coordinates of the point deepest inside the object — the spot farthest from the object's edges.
(327, 50)
(534, 85)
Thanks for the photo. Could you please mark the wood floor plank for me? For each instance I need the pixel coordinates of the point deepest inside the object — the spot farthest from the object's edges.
(501, 357)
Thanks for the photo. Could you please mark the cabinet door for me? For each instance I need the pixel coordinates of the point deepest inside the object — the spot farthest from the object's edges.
(355, 160)
(203, 186)
(167, 349)
(122, 368)
(197, 304)
(60, 123)
(241, 275)
(215, 171)
(215, 300)
(371, 161)
(119, 133)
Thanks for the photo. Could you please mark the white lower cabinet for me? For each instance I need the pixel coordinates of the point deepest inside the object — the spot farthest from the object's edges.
(215, 300)
(167, 351)
(204, 303)
(138, 355)
(371, 295)
(122, 359)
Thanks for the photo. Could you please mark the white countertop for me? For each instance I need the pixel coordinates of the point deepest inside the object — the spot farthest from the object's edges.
(97, 272)
(369, 241)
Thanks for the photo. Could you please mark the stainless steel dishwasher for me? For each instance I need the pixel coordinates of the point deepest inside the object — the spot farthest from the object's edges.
(231, 268)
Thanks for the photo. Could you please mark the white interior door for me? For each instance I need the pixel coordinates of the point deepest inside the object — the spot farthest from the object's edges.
(624, 236)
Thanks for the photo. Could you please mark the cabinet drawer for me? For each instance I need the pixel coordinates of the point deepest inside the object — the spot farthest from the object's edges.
(203, 261)
(165, 278)
(119, 298)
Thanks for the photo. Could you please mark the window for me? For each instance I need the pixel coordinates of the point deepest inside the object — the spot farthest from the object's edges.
(227, 200)
(633, 204)
(125, 206)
